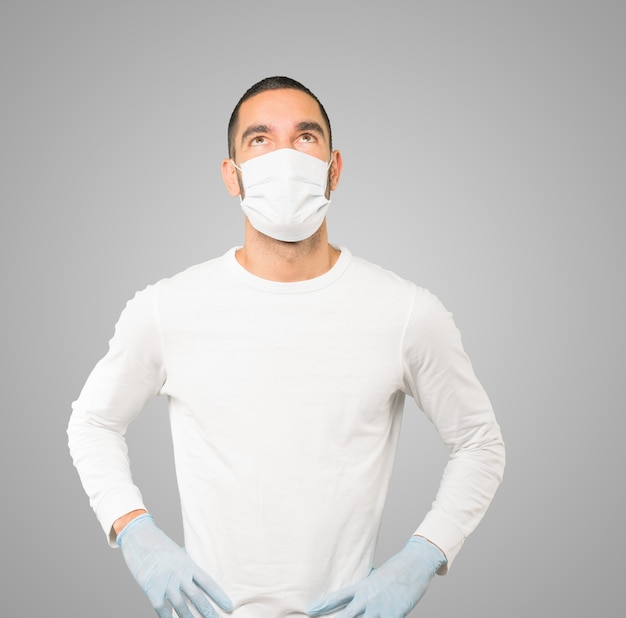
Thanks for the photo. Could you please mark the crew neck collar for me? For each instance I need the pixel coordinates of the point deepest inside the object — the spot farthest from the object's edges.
(289, 287)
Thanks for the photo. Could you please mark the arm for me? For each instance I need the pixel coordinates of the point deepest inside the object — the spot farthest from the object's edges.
(118, 388)
(130, 374)
(439, 375)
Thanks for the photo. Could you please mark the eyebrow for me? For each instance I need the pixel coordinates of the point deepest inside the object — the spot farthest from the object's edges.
(307, 125)
(254, 129)
(311, 125)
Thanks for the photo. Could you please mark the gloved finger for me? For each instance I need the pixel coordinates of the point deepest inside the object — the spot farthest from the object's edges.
(213, 589)
(179, 603)
(162, 610)
(201, 603)
(159, 604)
(332, 601)
(353, 610)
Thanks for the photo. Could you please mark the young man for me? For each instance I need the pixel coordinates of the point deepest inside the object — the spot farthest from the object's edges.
(286, 363)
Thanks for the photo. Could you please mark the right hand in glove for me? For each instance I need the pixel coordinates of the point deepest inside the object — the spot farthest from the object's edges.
(166, 573)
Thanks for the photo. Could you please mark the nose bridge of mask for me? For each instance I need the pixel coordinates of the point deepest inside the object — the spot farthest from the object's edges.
(284, 159)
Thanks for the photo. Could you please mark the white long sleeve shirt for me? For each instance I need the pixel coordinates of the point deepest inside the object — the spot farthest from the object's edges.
(285, 404)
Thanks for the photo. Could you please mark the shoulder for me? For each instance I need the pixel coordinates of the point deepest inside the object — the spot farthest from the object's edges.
(426, 309)
(197, 274)
(197, 278)
(181, 288)
(379, 278)
(424, 304)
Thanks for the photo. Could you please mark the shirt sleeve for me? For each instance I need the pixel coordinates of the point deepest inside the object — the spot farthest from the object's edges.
(130, 374)
(440, 377)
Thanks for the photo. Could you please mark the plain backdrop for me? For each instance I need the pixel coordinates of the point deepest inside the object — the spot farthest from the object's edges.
(484, 149)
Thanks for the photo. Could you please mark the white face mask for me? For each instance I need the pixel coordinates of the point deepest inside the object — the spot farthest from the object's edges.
(285, 193)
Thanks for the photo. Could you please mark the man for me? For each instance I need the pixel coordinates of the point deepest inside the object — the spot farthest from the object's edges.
(286, 363)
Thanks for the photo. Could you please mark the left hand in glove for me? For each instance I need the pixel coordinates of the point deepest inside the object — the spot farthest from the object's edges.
(392, 590)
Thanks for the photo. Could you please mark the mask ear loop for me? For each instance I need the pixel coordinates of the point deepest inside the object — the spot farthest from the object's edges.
(330, 163)
(241, 192)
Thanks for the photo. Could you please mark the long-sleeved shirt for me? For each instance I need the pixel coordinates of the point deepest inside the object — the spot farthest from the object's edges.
(285, 404)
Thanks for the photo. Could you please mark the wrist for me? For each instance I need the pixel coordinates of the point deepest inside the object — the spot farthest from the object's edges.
(121, 523)
(429, 551)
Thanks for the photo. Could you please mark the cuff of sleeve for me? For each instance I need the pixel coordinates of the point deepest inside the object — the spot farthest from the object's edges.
(445, 535)
(115, 504)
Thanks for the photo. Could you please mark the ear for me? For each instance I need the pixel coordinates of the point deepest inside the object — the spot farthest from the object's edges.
(335, 169)
(229, 175)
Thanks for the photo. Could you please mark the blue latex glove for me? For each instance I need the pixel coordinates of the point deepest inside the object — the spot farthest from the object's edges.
(390, 591)
(166, 573)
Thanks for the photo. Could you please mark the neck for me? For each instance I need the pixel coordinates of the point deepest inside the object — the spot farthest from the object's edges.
(276, 260)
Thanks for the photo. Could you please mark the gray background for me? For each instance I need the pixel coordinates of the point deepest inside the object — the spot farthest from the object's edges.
(484, 148)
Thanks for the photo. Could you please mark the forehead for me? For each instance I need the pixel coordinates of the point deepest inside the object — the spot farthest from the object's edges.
(282, 107)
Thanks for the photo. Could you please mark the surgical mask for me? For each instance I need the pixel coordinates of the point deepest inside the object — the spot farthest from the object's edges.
(285, 193)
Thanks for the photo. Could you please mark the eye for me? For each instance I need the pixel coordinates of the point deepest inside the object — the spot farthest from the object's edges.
(258, 140)
(308, 138)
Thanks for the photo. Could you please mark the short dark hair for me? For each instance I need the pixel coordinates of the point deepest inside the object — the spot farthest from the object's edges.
(271, 83)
